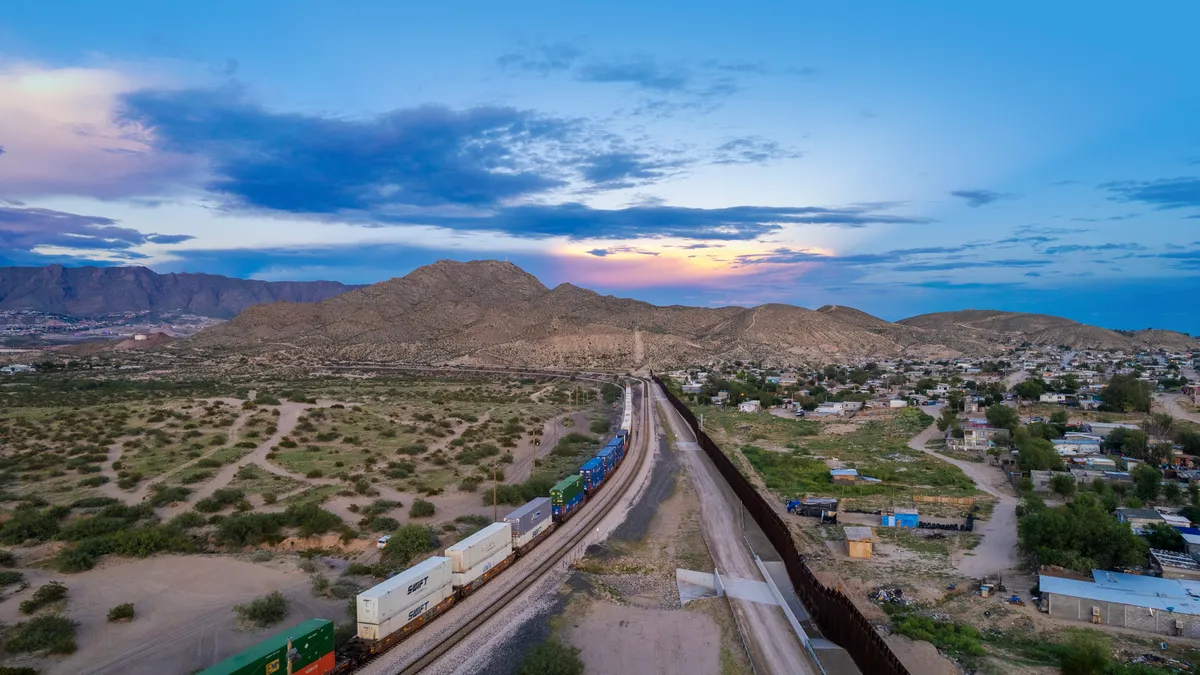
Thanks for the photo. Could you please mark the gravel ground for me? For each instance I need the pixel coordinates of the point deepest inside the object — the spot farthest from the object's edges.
(662, 484)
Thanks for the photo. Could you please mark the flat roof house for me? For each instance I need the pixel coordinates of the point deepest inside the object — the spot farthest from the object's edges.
(1150, 604)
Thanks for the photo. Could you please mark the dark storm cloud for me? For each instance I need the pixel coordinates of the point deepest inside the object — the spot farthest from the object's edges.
(24, 229)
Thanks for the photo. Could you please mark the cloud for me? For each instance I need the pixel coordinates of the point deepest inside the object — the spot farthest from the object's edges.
(1078, 248)
(26, 229)
(1034, 239)
(977, 198)
(751, 150)
(1165, 193)
(542, 59)
(578, 221)
(967, 264)
(1033, 274)
(623, 169)
(642, 72)
(168, 238)
(603, 252)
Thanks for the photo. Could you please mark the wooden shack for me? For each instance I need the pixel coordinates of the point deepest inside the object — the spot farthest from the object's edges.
(859, 541)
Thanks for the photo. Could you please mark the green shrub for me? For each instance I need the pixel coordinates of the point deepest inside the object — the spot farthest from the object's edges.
(52, 634)
(959, 641)
(15, 670)
(94, 502)
(421, 509)
(600, 426)
(265, 611)
(7, 559)
(468, 484)
(122, 612)
(551, 658)
(93, 481)
(9, 577)
(50, 593)
(29, 524)
(408, 542)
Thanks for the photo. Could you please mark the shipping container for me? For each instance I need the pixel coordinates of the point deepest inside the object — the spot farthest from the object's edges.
(592, 473)
(382, 602)
(529, 521)
(460, 579)
(311, 640)
(608, 458)
(374, 631)
(624, 436)
(565, 497)
(618, 449)
(479, 547)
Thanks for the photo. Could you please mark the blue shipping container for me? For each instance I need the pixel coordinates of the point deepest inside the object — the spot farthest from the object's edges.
(624, 436)
(560, 510)
(618, 449)
(592, 473)
(609, 458)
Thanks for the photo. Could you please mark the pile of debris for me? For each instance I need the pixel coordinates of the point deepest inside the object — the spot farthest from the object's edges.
(890, 596)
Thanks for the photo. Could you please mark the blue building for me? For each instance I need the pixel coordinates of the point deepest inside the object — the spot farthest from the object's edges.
(900, 518)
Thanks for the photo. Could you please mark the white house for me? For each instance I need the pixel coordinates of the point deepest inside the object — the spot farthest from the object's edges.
(1053, 398)
(749, 406)
(897, 403)
(692, 387)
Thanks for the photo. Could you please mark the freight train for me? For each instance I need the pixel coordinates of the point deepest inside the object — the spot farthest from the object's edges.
(391, 611)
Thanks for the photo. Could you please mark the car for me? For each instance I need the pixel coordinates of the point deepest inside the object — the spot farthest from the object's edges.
(382, 541)
(799, 413)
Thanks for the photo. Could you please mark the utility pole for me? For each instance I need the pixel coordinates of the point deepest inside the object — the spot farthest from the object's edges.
(495, 504)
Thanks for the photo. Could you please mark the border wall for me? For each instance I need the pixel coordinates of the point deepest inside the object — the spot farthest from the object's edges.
(837, 617)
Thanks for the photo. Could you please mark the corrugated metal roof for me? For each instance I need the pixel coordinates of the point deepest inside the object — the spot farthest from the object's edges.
(1162, 594)
(843, 472)
(859, 534)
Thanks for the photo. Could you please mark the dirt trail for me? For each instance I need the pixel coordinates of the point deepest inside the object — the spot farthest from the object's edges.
(289, 415)
(1170, 404)
(775, 646)
(998, 550)
(143, 491)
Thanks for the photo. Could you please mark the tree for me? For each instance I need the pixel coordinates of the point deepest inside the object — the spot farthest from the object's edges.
(1003, 417)
(1086, 654)
(1063, 485)
(1163, 536)
(948, 419)
(1030, 389)
(1059, 418)
(551, 658)
(408, 542)
(1172, 493)
(1080, 535)
(1188, 440)
(1038, 454)
(1193, 494)
(1067, 384)
(1159, 425)
(1125, 393)
(1126, 441)
(1147, 482)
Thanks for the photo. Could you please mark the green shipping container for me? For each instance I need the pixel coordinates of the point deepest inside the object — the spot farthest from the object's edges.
(313, 640)
(566, 490)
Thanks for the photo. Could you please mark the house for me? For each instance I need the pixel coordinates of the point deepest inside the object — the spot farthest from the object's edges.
(1053, 398)
(749, 406)
(722, 395)
(788, 380)
(978, 435)
(859, 541)
(844, 475)
(1103, 429)
(1138, 518)
(897, 403)
(691, 387)
(1070, 447)
(772, 379)
(1172, 565)
(1150, 604)
(900, 517)
(16, 368)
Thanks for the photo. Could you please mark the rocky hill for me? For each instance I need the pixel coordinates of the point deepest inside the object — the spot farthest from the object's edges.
(99, 291)
(491, 312)
(1043, 329)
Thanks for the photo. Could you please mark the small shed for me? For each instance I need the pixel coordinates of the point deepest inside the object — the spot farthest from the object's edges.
(903, 517)
(844, 475)
(859, 541)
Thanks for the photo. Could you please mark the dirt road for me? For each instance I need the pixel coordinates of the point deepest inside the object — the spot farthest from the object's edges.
(998, 550)
(774, 645)
(1170, 404)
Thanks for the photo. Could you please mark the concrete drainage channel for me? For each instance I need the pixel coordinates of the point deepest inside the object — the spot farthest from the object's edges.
(576, 531)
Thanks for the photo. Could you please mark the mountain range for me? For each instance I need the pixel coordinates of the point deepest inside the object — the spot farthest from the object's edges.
(494, 313)
(100, 291)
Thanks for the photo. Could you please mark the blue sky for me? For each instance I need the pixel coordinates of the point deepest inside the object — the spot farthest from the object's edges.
(900, 158)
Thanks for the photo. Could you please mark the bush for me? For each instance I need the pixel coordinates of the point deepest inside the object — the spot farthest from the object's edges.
(122, 612)
(265, 611)
(8, 559)
(408, 542)
(1086, 654)
(9, 577)
(14, 670)
(959, 641)
(551, 658)
(29, 524)
(50, 593)
(600, 426)
(52, 634)
(93, 481)
(468, 484)
(163, 495)
(421, 509)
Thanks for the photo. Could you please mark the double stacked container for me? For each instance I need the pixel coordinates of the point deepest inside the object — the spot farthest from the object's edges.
(592, 473)
(623, 436)
(478, 553)
(565, 497)
(311, 640)
(529, 521)
(388, 607)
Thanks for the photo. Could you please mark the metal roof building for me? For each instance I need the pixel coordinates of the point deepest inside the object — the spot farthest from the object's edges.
(1151, 604)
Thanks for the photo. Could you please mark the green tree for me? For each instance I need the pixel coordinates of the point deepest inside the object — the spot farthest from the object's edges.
(1038, 454)
(1059, 417)
(1067, 384)
(1003, 417)
(1126, 393)
(1030, 389)
(551, 658)
(1147, 482)
(1080, 535)
(948, 419)
(1063, 485)
(1087, 653)
(1193, 494)
(408, 542)
(1163, 536)
(1172, 493)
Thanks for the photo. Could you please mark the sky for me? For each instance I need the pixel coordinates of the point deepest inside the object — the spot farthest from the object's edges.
(901, 158)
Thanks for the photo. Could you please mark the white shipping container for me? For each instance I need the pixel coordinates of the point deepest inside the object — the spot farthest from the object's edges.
(526, 537)
(479, 547)
(382, 602)
(460, 579)
(378, 631)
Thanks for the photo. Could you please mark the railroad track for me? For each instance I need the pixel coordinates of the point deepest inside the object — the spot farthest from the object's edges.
(584, 523)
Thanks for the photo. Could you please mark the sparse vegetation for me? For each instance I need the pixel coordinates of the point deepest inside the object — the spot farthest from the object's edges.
(265, 611)
(122, 612)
